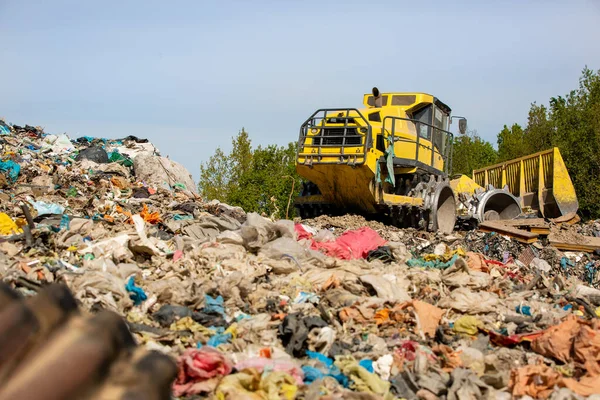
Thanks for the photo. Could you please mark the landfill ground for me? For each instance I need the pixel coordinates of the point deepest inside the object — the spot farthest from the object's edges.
(219, 303)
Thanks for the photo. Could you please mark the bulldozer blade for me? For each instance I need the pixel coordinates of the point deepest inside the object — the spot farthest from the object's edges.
(540, 181)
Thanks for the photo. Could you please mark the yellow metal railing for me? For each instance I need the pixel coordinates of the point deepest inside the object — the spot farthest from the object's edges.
(541, 182)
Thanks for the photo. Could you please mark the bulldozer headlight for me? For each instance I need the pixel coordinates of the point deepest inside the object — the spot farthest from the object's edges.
(363, 130)
(314, 130)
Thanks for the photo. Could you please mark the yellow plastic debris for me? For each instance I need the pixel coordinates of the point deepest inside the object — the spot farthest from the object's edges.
(251, 385)
(8, 226)
(232, 329)
(279, 385)
(468, 324)
(188, 324)
(361, 379)
(446, 257)
(598, 312)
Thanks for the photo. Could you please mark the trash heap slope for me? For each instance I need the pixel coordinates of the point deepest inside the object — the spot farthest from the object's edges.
(248, 307)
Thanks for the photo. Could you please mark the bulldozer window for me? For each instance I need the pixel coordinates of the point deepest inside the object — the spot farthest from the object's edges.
(375, 117)
(424, 115)
(440, 122)
(403, 100)
(371, 101)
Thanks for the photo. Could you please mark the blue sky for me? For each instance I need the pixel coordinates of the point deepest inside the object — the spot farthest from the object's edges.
(188, 75)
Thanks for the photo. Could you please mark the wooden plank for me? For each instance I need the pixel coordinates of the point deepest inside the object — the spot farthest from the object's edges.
(517, 234)
(584, 243)
(535, 225)
(524, 222)
(574, 247)
(540, 230)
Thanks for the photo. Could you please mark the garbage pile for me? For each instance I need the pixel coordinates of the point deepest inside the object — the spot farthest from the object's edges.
(328, 308)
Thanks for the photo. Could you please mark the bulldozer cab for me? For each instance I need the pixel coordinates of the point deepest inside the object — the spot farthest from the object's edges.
(433, 118)
(421, 107)
(417, 124)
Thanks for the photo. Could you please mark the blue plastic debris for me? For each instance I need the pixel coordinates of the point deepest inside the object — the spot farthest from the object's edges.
(11, 168)
(568, 307)
(179, 217)
(240, 316)
(4, 129)
(565, 263)
(366, 364)
(525, 310)
(212, 305)
(47, 208)
(306, 297)
(65, 223)
(218, 339)
(311, 373)
(590, 272)
(136, 293)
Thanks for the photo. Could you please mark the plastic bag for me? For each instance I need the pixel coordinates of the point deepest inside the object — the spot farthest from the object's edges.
(286, 247)
(257, 231)
(60, 143)
(47, 208)
(466, 301)
(94, 153)
(385, 288)
(459, 275)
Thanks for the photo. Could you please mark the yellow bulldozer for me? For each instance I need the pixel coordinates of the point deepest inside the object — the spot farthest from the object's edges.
(392, 159)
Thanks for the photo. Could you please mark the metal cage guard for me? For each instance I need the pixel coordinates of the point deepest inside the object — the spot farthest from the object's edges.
(448, 139)
(324, 120)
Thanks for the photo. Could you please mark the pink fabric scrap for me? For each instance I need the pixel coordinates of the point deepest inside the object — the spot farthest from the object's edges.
(350, 245)
(199, 371)
(177, 255)
(301, 232)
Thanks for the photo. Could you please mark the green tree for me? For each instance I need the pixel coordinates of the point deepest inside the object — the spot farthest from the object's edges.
(511, 143)
(266, 187)
(471, 152)
(575, 131)
(240, 160)
(539, 131)
(262, 180)
(241, 155)
(215, 176)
